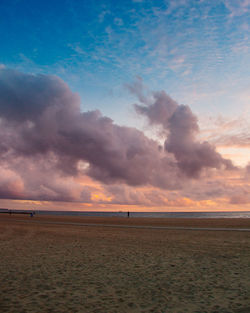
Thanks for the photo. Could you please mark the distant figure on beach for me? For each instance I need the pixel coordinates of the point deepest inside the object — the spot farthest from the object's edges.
(128, 214)
(31, 214)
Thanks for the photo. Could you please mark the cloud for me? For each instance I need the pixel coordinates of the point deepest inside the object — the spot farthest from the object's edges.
(181, 129)
(47, 145)
(118, 21)
(25, 97)
(240, 199)
(237, 8)
(45, 137)
(11, 185)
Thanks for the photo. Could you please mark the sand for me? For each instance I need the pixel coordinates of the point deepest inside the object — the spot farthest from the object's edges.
(66, 268)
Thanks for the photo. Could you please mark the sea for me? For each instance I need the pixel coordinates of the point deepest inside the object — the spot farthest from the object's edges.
(218, 214)
(240, 214)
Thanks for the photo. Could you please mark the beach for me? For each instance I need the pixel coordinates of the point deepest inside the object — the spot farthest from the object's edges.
(51, 267)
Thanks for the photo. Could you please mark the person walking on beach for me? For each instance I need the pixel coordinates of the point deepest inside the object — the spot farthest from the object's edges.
(128, 214)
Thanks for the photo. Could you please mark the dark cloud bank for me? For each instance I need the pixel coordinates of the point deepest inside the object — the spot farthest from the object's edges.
(45, 140)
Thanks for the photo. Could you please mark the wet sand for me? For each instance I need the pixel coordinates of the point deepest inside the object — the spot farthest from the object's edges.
(65, 268)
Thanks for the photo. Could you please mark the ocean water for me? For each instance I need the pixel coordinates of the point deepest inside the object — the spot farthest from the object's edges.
(242, 214)
(239, 214)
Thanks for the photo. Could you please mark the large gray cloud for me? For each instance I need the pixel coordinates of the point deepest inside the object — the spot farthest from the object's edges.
(45, 136)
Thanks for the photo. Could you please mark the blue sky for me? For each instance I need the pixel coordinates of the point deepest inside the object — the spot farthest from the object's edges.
(197, 51)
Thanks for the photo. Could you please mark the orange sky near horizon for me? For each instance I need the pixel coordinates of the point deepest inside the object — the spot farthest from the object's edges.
(190, 206)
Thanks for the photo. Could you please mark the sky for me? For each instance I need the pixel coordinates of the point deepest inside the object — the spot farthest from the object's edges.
(125, 105)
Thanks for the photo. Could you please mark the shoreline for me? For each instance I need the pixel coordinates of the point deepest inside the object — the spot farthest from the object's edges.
(136, 221)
